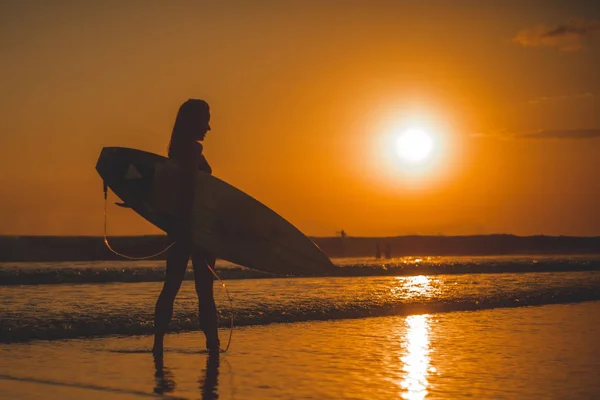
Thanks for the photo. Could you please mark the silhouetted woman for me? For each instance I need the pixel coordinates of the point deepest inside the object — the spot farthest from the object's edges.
(191, 126)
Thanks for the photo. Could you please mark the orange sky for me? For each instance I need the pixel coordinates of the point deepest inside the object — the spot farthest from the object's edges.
(303, 96)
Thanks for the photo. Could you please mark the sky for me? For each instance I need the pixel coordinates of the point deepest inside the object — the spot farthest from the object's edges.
(307, 99)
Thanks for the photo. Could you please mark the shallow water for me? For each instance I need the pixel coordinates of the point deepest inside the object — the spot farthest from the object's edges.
(549, 352)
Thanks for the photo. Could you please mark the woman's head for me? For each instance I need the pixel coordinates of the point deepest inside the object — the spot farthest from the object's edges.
(191, 124)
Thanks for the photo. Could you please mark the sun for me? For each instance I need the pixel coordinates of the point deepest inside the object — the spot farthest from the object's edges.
(414, 145)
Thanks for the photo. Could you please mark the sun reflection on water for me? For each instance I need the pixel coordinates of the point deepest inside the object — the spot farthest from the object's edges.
(412, 286)
(418, 284)
(416, 361)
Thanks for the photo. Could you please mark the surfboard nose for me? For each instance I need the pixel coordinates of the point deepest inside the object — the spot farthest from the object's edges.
(111, 164)
(118, 165)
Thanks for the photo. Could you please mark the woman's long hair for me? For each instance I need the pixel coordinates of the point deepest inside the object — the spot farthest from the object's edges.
(190, 116)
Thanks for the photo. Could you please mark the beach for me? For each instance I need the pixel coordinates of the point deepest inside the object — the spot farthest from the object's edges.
(485, 334)
(549, 352)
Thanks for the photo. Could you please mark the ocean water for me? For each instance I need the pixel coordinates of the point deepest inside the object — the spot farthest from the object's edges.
(62, 300)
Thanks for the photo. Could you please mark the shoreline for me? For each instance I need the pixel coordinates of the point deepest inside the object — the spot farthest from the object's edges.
(526, 352)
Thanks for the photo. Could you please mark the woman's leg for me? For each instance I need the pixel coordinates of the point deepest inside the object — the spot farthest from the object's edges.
(207, 309)
(177, 259)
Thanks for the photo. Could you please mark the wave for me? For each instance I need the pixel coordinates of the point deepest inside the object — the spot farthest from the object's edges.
(50, 276)
(292, 301)
(106, 272)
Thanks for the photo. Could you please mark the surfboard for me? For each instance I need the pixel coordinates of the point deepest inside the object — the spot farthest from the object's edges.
(226, 222)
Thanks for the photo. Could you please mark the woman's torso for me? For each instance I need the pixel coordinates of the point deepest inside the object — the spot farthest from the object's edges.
(191, 157)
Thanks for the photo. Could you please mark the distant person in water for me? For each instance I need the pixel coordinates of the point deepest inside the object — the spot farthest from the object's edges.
(191, 126)
(388, 251)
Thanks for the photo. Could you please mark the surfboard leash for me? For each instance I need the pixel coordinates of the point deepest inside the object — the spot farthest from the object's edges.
(158, 254)
(230, 307)
(106, 238)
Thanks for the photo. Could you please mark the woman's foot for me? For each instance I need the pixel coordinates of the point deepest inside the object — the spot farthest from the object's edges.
(213, 348)
(212, 342)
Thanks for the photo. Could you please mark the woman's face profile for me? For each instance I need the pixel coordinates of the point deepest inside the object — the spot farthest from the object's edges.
(203, 127)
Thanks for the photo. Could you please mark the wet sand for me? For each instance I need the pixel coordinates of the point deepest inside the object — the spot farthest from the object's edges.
(530, 352)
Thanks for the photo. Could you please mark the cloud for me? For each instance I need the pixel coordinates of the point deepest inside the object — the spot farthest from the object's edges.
(563, 134)
(501, 134)
(569, 36)
(564, 97)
